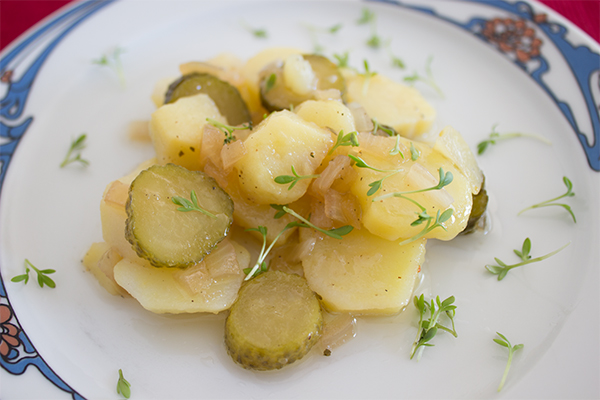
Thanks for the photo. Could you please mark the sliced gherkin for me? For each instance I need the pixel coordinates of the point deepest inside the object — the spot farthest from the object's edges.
(226, 97)
(276, 96)
(162, 234)
(480, 201)
(275, 321)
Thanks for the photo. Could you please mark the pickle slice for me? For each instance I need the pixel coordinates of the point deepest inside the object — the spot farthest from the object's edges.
(226, 97)
(275, 321)
(276, 96)
(480, 202)
(162, 234)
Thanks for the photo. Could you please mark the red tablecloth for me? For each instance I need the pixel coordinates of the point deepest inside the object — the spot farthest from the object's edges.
(16, 16)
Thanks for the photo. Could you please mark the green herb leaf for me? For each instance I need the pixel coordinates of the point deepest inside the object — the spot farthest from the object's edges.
(504, 342)
(293, 179)
(502, 268)
(336, 233)
(552, 202)
(428, 328)
(187, 205)
(228, 129)
(123, 387)
(342, 59)
(113, 61)
(42, 277)
(74, 153)
(366, 17)
(427, 79)
(270, 84)
(350, 139)
(494, 137)
(414, 152)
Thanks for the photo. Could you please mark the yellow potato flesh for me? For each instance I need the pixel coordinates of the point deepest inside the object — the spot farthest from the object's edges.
(362, 273)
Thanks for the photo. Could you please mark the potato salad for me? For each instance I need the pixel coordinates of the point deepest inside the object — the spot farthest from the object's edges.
(288, 193)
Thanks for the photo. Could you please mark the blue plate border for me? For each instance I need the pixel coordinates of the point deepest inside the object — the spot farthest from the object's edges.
(17, 352)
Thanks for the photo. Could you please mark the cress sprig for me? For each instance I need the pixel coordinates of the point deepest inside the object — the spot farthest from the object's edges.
(335, 233)
(428, 328)
(42, 277)
(504, 342)
(385, 129)
(292, 179)
(445, 178)
(494, 137)
(396, 149)
(260, 33)
(261, 265)
(428, 79)
(349, 139)
(368, 74)
(187, 205)
(123, 386)
(113, 61)
(552, 202)
(375, 185)
(524, 254)
(227, 129)
(423, 216)
(74, 153)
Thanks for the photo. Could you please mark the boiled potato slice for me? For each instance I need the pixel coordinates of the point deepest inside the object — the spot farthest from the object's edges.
(330, 114)
(452, 145)
(176, 129)
(281, 141)
(390, 103)
(163, 290)
(362, 273)
(100, 260)
(391, 218)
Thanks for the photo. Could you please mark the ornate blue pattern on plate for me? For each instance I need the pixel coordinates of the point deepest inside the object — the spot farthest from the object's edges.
(517, 37)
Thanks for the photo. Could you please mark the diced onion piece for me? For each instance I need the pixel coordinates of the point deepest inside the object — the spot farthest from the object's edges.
(301, 250)
(332, 172)
(221, 262)
(363, 122)
(298, 74)
(212, 143)
(100, 260)
(217, 174)
(343, 208)
(318, 216)
(337, 330)
(117, 193)
(231, 153)
(139, 131)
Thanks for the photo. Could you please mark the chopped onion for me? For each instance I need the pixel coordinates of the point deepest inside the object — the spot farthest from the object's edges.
(221, 262)
(337, 331)
(117, 193)
(139, 131)
(231, 153)
(212, 143)
(318, 216)
(332, 172)
(217, 174)
(329, 94)
(362, 121)
(343, 208)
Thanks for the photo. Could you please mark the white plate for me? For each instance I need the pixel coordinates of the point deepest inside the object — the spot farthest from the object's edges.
(78, 335)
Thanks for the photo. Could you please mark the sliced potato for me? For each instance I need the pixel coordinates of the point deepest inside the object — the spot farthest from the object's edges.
(176, 129)
(362, 273)
(161, 290)
(281, 141)
(390, 103)
(100, 260)
(328, 114)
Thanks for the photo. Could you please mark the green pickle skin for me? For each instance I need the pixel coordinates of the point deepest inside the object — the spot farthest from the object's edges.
(275, 321)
